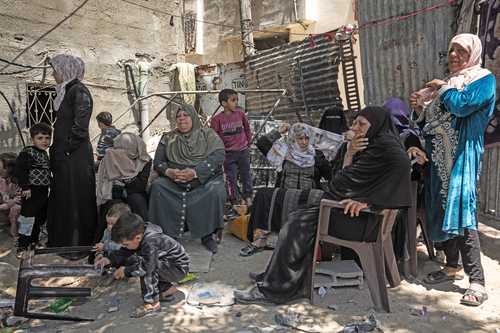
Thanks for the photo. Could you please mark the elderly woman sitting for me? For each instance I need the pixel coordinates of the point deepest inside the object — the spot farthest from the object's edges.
(190, 191)
(300, 168)
(371, 170)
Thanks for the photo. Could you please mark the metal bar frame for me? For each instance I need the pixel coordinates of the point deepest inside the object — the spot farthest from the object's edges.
(164, 95)
(28, 272)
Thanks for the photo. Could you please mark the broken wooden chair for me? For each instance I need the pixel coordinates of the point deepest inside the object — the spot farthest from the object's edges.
(29, 271)
(377, 258)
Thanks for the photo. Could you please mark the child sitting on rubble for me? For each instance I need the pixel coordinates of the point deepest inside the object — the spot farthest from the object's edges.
(157, 259)
(106, 245)
(108, 133)
(10, 192)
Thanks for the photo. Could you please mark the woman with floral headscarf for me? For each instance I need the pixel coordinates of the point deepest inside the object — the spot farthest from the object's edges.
(72, 215)
(455, 113)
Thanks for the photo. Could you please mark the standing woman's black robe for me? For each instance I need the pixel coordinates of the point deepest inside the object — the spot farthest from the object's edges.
(72, 215)
(379, 176)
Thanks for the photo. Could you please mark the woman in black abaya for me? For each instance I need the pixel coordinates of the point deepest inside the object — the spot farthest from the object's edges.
(72, 215)
(371, 170)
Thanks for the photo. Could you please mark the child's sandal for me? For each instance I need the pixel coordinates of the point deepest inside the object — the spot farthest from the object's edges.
(141, 311)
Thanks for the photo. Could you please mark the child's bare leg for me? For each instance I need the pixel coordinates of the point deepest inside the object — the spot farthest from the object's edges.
(14, 213)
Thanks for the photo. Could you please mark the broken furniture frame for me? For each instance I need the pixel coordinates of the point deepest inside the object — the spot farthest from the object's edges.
(165, 95)
(29, 271)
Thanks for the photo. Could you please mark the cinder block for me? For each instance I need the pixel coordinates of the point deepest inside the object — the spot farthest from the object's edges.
(338, 274)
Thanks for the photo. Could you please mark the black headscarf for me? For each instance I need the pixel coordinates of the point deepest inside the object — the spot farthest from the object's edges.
(378, 175)
(333, 120)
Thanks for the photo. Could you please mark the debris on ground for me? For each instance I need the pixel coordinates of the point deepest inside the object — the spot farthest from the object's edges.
(333, 307)
(7, 302)
(15, 321)
(368, 325)
(297, 321)
(423, 312)
(60, 304)
(114, 305)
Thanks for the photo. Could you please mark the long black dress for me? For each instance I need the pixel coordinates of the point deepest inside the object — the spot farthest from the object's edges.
(379, 176)
(72, 214)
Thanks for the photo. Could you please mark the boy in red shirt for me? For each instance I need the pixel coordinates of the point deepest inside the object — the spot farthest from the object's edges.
(233, 128)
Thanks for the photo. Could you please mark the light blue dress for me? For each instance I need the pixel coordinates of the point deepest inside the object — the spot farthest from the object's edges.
(454, 129)
(471, 110)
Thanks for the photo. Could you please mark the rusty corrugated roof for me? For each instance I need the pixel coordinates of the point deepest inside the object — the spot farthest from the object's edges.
(400, 57)
(283, 67)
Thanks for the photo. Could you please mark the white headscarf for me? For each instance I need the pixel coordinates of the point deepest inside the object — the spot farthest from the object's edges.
(473, 70)
(287, 149)
(69, 68)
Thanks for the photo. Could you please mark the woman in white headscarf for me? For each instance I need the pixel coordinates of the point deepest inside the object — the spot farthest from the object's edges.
(72, 218)
(454, 113)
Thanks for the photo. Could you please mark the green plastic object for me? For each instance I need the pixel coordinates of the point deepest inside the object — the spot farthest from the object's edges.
(60, 304)
(189, 277)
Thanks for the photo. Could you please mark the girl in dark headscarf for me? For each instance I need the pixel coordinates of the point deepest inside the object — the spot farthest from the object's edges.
(371, 170)
(333, 120)
(72, 214)
(190, 190)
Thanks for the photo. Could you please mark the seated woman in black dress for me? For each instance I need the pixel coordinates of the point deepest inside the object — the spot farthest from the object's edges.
(300, 168)
(373, 170)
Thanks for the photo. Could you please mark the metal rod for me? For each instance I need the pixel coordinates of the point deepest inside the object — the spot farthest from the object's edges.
(47, 271)
(68, 249)
(158, 114)
(14, 118)
(50, 316)
(166, 93)
(43, 292)
(268, 116)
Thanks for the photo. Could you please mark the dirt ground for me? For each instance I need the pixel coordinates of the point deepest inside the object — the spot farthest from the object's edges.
(443, 311)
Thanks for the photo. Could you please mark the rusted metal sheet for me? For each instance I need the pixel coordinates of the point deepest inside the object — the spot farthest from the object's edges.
(400, 56)
(489, 185)
(307, 70)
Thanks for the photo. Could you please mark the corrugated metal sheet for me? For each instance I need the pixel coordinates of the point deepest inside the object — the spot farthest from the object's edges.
(400, 57)
(489, 184)
(308, 73)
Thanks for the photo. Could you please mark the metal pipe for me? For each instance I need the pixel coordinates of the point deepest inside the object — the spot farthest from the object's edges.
(144, 68)
(67, 249)
(43, 292)
(171, 100)
(268, 116)
(47, 271)
(166, 93)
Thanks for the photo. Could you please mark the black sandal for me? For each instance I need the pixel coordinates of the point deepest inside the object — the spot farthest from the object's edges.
(478, 295)
(251, 249)
(441, 276)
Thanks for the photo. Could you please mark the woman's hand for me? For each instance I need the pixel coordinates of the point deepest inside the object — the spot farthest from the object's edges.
(419, 155)
(353, 207)
(171, 173)
(357, 144)
(436, 84)
(283, 128)
(26, 194)
(185, 175)
(414, 102)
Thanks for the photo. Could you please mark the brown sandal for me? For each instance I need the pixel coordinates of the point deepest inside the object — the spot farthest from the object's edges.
(141, 311)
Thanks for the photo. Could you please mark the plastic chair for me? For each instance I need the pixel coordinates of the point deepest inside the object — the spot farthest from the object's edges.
(377, 258)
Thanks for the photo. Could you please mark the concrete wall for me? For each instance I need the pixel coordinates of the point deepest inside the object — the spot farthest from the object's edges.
(105, 34)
